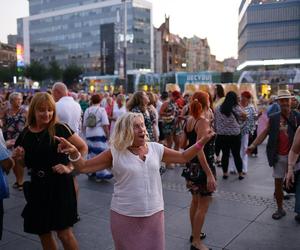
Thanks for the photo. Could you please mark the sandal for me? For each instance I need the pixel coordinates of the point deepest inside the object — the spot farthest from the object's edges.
(20, 187)
(278, 214)
(202, 237)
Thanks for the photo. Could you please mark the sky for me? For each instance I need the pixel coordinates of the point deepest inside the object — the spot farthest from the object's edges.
(216, 20)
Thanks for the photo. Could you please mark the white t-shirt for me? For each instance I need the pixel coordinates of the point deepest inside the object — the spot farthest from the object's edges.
(117, 112)
(101, 118)
(69, 112)
(138, 187)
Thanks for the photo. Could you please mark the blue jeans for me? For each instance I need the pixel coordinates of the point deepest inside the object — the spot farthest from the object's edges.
(297, 201)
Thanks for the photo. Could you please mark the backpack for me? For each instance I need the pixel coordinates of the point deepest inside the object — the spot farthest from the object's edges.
(91, 120)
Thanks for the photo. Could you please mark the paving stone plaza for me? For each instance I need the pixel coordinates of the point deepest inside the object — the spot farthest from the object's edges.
(238, 218)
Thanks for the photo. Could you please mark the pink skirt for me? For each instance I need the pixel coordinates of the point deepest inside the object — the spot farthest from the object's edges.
(136, 233)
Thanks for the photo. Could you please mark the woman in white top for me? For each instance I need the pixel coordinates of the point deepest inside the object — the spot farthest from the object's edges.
(137, 218)
(118, 110)
(96, 134)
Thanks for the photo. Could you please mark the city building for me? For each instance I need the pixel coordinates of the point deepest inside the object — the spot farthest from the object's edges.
(230, 64)
(171, 51)
(158, 57)
(8, 55)
(215, 65)
(197, 54)
(89, 33)
(269, 34)
(12, 40)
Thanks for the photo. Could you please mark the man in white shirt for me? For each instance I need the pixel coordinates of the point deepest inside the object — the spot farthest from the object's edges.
(67, 109)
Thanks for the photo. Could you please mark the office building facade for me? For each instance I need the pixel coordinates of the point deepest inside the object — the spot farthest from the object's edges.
(89, 33)
(269, 33)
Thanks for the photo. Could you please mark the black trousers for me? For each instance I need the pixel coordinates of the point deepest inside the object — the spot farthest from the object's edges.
(217, 146)
(231, 143)
(1, 217)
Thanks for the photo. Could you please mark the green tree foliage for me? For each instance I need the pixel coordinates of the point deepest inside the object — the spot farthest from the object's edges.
(71, 74)
(7, 73)
(36, 71)
(54, 71)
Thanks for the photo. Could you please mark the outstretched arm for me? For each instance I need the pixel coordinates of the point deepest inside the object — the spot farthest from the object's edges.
(174, 156)
(99, 162)
(259, 139)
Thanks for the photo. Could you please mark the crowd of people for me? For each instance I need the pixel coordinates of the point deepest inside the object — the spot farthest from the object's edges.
(59, 134)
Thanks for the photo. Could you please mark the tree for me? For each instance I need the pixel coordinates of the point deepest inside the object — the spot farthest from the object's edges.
(71, 74)
(54, 71)
(7, 73)
(36, 71)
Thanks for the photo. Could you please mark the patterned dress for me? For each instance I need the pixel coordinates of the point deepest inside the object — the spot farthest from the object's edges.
(199, 187)
(169, 121)
(14, 124)
(149, 121)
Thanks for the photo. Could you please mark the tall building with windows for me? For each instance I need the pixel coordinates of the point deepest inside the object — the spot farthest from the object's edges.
(197, 54)
(269, 33)
(89, 33)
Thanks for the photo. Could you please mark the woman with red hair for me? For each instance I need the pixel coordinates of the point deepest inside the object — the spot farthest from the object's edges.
(248, 127)
(201, 188)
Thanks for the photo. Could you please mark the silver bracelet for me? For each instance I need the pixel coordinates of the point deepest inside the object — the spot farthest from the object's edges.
(76, 159)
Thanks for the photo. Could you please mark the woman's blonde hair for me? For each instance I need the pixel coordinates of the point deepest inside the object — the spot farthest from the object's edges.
(36, 102)
(123, 134)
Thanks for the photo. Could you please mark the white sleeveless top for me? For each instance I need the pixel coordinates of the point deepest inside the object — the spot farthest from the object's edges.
(138, 187)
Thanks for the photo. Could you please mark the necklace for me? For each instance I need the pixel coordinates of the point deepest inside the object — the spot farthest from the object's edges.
(38, 135)
(142, 153)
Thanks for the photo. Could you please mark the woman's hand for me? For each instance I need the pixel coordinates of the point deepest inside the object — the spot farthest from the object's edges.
(290, 178)
(65, 146)
(18, 153)
(10, 143)
(250, 149)
(62, 169)
(211, 183)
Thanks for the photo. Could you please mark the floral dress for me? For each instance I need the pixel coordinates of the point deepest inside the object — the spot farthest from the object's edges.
(14, 124)
(169, 121)
(149, 121)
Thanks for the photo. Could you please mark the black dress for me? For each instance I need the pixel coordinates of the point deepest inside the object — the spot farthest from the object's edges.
(200, 187)
(52, 201)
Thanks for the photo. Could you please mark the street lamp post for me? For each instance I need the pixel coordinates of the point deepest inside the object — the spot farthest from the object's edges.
(125, 47)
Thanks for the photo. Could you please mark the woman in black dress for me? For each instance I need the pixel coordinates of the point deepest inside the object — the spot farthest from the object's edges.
(201, 187)
(51, 199)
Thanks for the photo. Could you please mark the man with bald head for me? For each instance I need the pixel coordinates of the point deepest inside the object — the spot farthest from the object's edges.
(67, 109)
